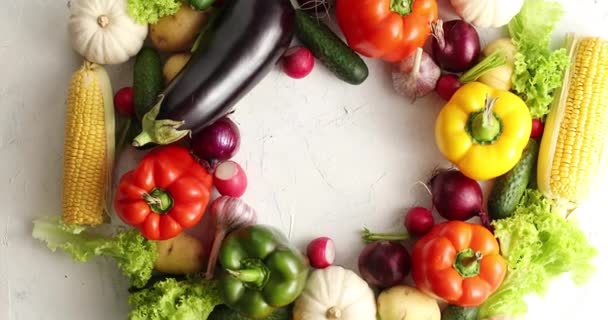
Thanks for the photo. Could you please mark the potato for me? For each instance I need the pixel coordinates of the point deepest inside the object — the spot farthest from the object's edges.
(183, 254)
(174, 65)
(407, 303)
(177, 32)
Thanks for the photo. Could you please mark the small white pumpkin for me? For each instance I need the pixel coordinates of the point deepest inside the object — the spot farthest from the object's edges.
(487, 13)
(335, 293)
(102, 32)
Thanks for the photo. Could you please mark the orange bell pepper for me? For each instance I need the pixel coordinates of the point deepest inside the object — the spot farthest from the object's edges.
(458, 262)
(387, 29)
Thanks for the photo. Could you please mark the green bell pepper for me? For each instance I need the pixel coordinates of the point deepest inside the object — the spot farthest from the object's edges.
(261, 271)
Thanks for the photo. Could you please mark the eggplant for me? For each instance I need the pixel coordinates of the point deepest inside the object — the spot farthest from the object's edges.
(238, 48)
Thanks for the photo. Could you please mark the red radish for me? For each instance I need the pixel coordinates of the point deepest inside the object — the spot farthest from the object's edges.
(321, 252)
(457, 197)
(419, 221)
(219, 141)
(298, 62)
(123, 101)
(455, 45)
(537, 128)
(447, 85)
(384, 264)
(230, 179)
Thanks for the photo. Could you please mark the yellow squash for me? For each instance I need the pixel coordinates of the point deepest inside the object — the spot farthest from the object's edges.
(574, 148)
(88, 146)
(483, 131)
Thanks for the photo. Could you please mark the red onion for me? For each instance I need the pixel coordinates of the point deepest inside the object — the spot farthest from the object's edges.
(227, 214)
(218, 141)
(457, 197)
(384, 264)
(455, 45)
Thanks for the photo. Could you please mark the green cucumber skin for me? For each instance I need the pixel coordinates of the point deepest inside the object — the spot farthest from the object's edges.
(510, 187)
(453, 312)
(147, 80)
(326, 46)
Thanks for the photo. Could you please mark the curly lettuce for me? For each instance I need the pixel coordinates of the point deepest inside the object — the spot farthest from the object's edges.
(149, 11)
(538, 245)
(193, 298)
(134, 255)
(538, 71)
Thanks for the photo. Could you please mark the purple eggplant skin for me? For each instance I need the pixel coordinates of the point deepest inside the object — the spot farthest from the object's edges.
(248, 38)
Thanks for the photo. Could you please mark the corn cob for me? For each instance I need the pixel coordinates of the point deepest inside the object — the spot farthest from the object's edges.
(88, 147)
(574, 147)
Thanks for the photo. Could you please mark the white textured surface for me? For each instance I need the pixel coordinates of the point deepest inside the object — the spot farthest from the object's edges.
(332, 156)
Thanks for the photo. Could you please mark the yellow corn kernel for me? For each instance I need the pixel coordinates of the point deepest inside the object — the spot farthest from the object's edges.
(572, 152)
(88, 147)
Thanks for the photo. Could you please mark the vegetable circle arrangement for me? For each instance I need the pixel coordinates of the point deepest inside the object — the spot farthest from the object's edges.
(532, 119)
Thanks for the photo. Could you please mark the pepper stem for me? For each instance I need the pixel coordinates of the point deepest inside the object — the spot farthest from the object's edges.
(254, 273)
(369, 236)
(494, 60)
(159, 131)
(402, 7)
(467, 262)
(159, 200)
(485, 126)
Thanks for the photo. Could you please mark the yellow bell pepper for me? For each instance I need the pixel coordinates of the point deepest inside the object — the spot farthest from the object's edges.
(483, 131)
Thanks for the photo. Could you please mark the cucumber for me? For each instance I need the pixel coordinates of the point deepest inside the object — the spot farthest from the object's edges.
(326, 46)
(509, 188)
(222, 312)
(147, 80)
(453, 312)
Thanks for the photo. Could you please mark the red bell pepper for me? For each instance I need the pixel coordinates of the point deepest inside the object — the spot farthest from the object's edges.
(167, 193)
(458, 262)
(387, 29)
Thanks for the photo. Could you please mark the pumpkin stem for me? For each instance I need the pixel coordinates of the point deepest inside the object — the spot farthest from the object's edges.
(333, 313)
(103, 21)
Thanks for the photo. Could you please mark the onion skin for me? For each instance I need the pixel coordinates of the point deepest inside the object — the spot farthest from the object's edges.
(456, 196)
(219, 141)
(456, 45)
(384, 264)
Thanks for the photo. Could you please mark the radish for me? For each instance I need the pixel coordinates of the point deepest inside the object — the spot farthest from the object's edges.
(419, 221)
(230, 179)
(537, 128)
(123, 101)
(447, 85)
(298, 62)
(321, 252)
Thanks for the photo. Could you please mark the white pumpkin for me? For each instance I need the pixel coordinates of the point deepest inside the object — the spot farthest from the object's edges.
(102, 32)
(487, 13)
(335, 293)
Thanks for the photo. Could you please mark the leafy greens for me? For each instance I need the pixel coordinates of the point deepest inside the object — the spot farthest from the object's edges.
(539, 71)
(538, 245)
(134, 254)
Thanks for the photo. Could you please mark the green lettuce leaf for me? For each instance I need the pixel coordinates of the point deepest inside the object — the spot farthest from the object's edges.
(134, 255)
(539, 71)
(189, 299)
(149, 11)
(538, 245)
